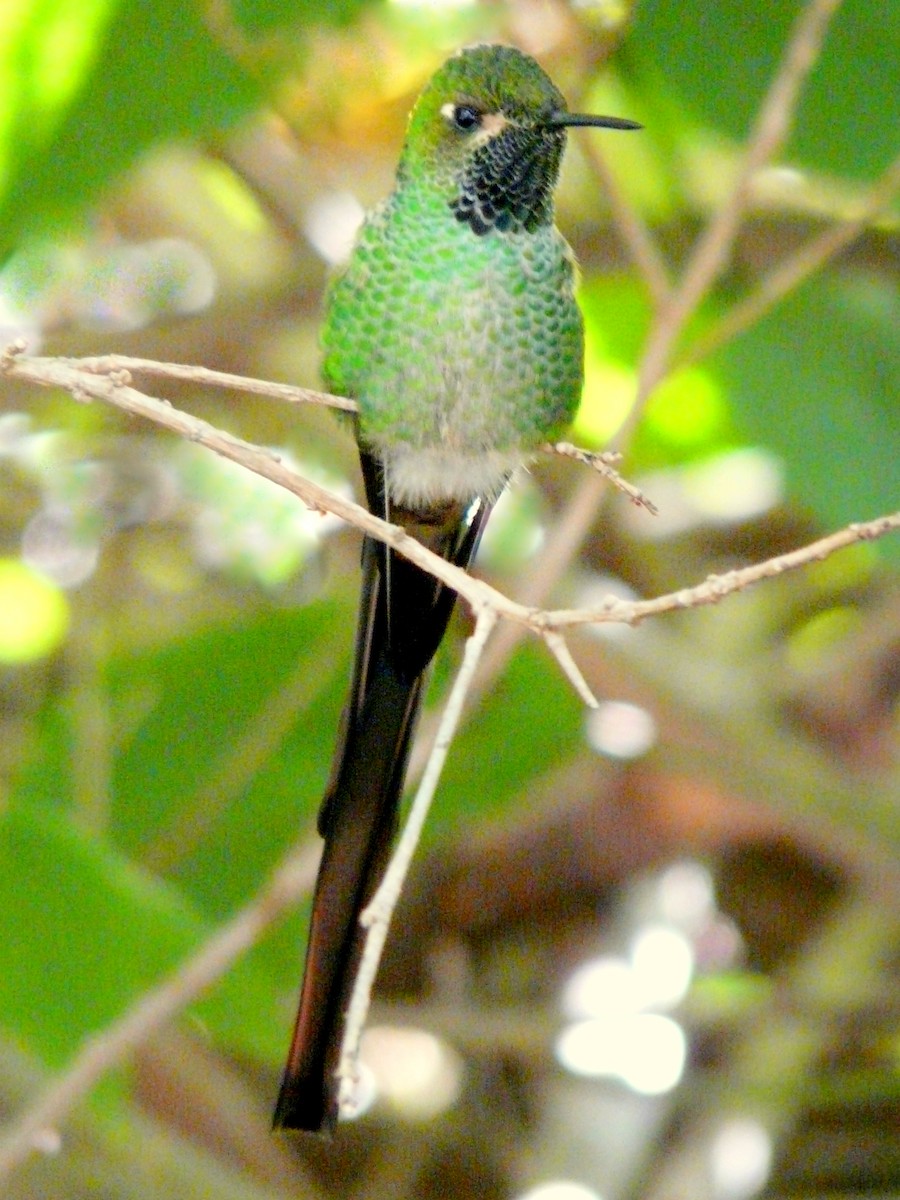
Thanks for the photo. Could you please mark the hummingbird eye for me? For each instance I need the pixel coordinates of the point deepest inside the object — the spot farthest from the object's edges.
(466, 117)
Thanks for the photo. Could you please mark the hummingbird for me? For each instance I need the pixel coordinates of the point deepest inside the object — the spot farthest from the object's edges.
(454, 327)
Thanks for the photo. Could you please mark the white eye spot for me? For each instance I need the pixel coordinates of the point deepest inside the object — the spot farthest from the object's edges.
(493, 123)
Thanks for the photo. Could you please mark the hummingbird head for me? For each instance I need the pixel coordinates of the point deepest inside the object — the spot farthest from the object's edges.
(489, 131)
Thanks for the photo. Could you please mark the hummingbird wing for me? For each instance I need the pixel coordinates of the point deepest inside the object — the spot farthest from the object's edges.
(404, 613)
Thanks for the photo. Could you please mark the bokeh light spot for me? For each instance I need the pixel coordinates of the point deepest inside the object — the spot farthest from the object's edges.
(735, 486)
(663, 963)
(34, 613)
(620, 730)
(686, 894)
(687, 408)
(418, 1073)
(560, 1189)
(599, 987)
(740, 1159)
(645, 1051)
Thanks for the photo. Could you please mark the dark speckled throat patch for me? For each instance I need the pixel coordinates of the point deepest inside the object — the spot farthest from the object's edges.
(509, 182)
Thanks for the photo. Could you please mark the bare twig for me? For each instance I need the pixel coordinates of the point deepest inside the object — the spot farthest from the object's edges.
(114, 365)
(713, 248)
(717, 587)
(602, 461)
(478, 594)
(377, 915)
(291, 880)
(559, 648)
(116, 391)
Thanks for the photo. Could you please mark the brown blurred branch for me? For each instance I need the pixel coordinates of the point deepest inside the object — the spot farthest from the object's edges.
(795, 270)
(291, 880)
(713, 248)
(675, 303)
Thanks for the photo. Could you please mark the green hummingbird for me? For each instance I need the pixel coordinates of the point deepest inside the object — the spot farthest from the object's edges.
(454, 326)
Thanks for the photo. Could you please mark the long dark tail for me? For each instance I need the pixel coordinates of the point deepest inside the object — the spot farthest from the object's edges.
(403, 616)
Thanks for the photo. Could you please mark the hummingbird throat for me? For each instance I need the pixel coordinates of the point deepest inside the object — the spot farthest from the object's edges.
(507, 183)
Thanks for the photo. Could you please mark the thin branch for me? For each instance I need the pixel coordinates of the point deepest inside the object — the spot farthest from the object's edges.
(291, 880)
(602, 461)
(113, 365)
(377, 915)
(559, 648)
(476, 592)
(796, 268)
(116, 391)
(713, 248)
(717, 587)
(295, 876)
(634, 233)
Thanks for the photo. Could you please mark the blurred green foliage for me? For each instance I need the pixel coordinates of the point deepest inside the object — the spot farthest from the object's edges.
(818, 381)
(216, 726)
(89, 87)
(715, 61)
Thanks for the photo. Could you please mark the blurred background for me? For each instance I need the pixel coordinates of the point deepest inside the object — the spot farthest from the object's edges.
(647, 952)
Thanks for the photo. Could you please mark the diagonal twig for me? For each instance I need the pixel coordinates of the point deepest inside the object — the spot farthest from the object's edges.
(602, 461)
(716, 587)
(113, 365)
(713, 247)
(795, 269)
(476, 592)
(292, 879)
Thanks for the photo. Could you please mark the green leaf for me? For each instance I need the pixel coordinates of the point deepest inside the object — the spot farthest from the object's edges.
(89, 86)
(716, 63)
(817, 381)
(261, 16)
(193, 734)
(84, 932)
(156, 72)
(178, 714)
